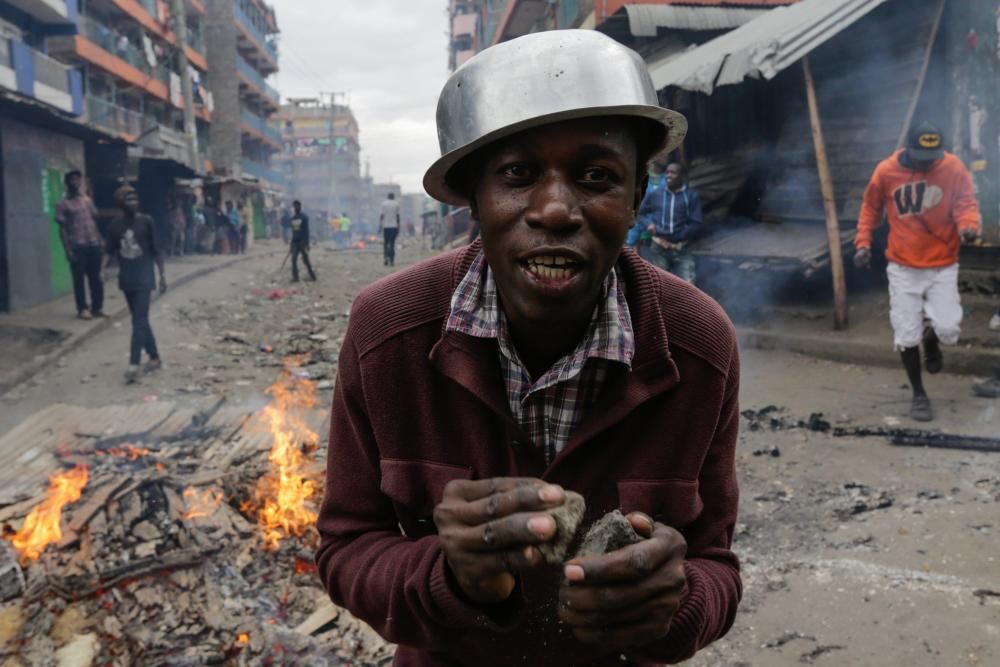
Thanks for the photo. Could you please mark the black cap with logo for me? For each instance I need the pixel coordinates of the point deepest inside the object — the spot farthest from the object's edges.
(925, 143)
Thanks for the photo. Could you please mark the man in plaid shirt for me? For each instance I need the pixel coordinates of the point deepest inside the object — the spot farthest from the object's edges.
(77, 218)
(475, 388)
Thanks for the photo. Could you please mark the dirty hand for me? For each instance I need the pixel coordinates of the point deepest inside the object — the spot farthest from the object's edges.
(863, 258)
(969, 235)
(626, 598)
(487, 529)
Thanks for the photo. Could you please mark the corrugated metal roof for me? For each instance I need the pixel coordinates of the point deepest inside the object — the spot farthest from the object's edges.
(734, 3)
(645, 19)
(763, 47)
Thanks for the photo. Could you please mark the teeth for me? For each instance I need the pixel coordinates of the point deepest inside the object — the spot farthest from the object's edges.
(550, 272)
(559, 261)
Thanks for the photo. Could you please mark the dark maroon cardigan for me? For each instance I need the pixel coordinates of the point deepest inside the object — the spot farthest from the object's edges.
(415, 407)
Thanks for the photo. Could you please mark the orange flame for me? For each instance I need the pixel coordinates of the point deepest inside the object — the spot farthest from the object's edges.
(283, 494)
(243, 639)
(201, 504)
(129, 451)
(42, 526)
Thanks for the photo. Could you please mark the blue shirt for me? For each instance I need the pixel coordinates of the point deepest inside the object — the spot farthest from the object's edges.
(676, 215)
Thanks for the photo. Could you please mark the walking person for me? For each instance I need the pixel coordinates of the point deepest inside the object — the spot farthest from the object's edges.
(132, 241)
(245, 211)
(388, 225)
(84, 247)
(345, 229)
(671, 215)
(300, 242)
(233, 228)
(178, 227)
(928, 197)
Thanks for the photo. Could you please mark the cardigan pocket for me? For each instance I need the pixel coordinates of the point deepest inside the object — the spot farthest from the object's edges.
(416, 488)
(674, 502)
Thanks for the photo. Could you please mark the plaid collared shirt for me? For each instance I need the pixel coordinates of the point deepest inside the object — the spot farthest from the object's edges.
(78, 216)
(549, 409)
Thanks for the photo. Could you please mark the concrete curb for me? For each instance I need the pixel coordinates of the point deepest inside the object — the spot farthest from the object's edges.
(960, 360)
(26, 371)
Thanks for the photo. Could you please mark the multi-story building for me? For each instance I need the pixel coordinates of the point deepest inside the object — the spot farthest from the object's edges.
(242, 55)
(321, 157)
(477, 24)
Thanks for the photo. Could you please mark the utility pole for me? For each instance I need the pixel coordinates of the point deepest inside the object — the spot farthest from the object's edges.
(178, 12)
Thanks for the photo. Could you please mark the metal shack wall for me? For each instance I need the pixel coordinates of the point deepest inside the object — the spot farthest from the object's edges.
(866, 79)
(26, 153)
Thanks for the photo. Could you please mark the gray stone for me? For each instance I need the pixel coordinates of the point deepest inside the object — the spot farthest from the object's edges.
(567, 517)
(11, 576)
(609, 533)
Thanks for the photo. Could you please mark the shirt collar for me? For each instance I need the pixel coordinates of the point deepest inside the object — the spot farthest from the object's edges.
(475, 311)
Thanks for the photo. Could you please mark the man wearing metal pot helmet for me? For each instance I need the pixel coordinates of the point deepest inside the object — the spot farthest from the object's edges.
(539, 360)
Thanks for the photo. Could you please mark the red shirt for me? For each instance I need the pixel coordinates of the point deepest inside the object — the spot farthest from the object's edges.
(416, 406)
(78, 216)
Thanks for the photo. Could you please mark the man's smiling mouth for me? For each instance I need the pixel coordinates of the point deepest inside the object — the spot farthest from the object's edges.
(552, 267)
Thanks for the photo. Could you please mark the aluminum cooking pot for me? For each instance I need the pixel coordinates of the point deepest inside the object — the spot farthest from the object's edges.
(539, 79)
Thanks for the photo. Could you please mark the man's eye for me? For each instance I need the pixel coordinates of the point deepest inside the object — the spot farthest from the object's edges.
(596, 175)
(517, 171)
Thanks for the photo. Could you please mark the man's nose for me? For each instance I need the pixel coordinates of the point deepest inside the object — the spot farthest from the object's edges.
(554, 205)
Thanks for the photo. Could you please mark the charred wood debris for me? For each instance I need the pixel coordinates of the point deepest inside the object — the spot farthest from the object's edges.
(161, 563)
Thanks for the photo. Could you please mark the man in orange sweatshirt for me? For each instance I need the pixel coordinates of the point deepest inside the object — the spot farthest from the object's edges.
(929, 199)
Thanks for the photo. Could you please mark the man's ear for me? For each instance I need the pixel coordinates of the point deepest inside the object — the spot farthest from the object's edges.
(473, 208)
(640, 192)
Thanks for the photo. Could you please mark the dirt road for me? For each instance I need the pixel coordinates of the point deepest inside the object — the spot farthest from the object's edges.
(856, 552)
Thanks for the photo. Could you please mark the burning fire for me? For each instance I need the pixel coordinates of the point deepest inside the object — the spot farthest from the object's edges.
(42, 526)
(243, 639)
(282, 495)
(131, 452)
(201, 504)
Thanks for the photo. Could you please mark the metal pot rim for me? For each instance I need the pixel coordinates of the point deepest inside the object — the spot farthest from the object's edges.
(437, 176)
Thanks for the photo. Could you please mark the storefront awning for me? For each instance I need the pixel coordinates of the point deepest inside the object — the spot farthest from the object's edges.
(761, 48)
(644, 20)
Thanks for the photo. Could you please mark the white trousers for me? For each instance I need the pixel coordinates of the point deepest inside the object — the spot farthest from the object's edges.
(915, 294)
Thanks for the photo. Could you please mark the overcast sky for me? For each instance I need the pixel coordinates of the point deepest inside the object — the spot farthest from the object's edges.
(389, 55)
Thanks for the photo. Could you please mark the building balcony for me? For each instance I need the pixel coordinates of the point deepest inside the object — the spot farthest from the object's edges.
(259, 128)
(110, 117)
(264, 172)
(35, 75)
(121, 47)
(256, 82)
(51, 12)
(253, 38)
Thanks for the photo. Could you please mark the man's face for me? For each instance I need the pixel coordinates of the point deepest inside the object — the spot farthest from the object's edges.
(555, 204)
(131, 202)
(675, 176)
(73, 183)
(297, 208)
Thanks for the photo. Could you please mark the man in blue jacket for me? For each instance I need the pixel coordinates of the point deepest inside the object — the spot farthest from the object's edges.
(671, 215)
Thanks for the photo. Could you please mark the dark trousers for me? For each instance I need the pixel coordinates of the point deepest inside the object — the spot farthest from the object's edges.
(142, 332)
(389, 235)
(300, 249)
(87, 264)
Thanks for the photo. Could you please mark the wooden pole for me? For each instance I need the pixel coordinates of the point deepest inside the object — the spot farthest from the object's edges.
(829, 203)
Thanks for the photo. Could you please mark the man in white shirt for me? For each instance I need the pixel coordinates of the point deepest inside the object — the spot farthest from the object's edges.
(388, 224)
